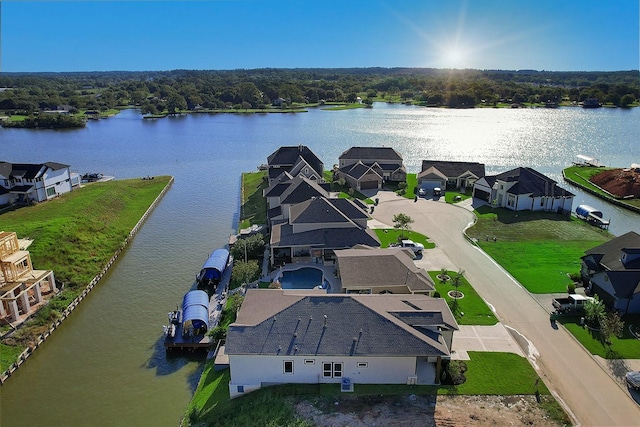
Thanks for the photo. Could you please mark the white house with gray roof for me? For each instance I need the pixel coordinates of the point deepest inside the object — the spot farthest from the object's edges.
(311, 337)
(26, 182)
(523, 189)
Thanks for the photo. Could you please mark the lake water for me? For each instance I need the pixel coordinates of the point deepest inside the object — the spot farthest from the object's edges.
(106, 365)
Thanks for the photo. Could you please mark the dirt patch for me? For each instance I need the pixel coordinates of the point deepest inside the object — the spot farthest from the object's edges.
(619, 182)
(425, 411)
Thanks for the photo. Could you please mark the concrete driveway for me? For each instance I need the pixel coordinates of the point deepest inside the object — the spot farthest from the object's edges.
(483, 338)
(590, 392)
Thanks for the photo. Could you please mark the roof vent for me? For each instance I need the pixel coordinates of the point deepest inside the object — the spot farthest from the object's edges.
(325, 320)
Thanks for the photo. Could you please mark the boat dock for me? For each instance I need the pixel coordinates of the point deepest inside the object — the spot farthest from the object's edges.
(179, 338)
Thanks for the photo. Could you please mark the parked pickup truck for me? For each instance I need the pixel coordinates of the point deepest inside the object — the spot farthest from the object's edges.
(574, 302)
(417, 248)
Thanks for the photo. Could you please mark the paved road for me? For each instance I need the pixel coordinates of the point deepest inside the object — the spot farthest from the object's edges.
(592, 396)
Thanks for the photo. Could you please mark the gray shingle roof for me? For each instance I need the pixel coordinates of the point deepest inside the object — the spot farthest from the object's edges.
(273, 322)
(454, 169)
(288, 157)
(374, 153)
(370, 268)
(532, 182)
(331, 238)
(608, 254)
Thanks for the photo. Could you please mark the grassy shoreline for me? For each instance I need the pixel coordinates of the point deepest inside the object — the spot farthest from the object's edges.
(76, 235)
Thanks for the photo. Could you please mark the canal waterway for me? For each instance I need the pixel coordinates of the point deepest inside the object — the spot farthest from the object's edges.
(106, 365)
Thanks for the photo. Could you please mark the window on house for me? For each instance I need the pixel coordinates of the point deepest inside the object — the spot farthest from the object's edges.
(541, 202)
(51, 191)
(309, 362)
(240, 389)
(288, 366)
(332, 370)
(363, 364)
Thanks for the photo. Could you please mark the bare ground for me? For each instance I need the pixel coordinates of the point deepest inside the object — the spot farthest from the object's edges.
(425, 411)
(620, 182)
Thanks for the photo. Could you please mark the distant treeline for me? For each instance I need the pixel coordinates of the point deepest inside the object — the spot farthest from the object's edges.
(156, 92)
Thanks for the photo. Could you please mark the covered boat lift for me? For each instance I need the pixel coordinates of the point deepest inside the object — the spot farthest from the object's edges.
(213, 268)
(195, 313)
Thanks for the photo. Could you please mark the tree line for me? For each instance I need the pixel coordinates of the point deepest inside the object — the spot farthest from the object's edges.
(178, 90)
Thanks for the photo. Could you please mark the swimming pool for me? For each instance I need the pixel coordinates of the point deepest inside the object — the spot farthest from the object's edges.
(303, 278)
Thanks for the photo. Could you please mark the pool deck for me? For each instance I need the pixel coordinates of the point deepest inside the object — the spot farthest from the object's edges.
(329, 272)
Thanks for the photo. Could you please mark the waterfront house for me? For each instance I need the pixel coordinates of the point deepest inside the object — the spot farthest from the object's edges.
(313, 229)
(310, 337)
(381, 271)
(612, 271)
(523, 189)
(22, 289)
(297, 161)
(449, 175)
(286, 191)
(366, 168)
(24, 183)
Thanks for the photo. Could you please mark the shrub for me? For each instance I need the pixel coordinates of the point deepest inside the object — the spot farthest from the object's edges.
(453, 372)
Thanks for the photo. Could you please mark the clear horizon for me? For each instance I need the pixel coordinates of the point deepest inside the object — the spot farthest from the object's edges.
(546, 35)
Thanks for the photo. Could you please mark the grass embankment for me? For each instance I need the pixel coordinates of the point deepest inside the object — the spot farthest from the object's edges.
(75, 235)
(469, 310)
(539, 249)
(253, 206)
(487, 374)
(581, 175)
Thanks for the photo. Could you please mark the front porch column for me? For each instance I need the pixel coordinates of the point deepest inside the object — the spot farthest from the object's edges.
(438, 369)
(52, 283)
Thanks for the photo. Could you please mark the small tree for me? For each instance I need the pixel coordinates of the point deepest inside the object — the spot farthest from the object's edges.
(456, 280)
(594, 311)
(402, 222)
(611, 325)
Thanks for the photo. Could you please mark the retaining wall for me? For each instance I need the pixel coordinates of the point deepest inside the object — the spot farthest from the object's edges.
(42, 337)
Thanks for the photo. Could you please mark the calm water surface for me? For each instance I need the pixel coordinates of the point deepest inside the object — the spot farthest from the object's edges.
(106, 365)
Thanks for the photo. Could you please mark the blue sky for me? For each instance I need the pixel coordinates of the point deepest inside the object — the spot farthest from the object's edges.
(556, 35)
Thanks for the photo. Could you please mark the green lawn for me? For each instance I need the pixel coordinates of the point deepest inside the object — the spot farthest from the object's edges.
(450, 196)
(253, 209)
(345, 107)
(391, 235)
(470, 310)
(626, 347)
(539, 249)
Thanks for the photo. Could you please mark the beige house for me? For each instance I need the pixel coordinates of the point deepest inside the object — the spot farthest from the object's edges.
(381, 271)
(312, 338)
(22, 289)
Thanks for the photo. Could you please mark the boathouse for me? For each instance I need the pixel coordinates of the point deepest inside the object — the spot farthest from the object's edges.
(213, 268)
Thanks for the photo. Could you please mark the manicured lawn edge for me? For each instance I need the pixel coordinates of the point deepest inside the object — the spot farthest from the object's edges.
(539, 249)
(470, 310)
